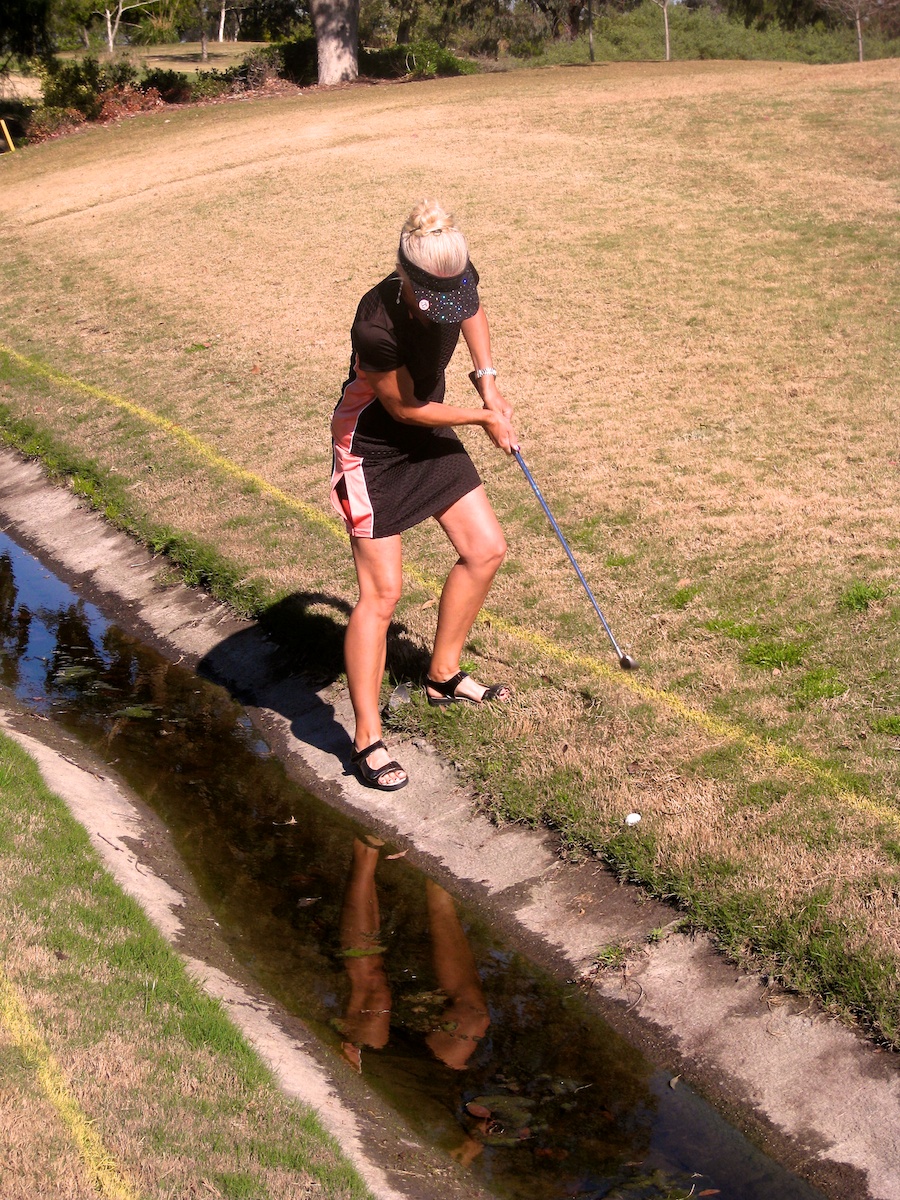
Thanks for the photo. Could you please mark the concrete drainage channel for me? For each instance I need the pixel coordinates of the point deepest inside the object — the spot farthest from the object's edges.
(539, 1109)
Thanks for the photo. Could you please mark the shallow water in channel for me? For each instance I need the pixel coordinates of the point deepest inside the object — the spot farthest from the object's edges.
(488, 1058)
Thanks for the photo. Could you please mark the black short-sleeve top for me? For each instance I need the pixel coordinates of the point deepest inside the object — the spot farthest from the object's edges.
(384, 336)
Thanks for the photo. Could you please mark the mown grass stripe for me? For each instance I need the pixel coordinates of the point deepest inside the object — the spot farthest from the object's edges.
(760, 747)
(99, 1164)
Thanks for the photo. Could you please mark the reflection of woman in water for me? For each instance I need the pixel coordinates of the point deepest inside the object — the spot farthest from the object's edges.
(464, 1019)
(549, 1089)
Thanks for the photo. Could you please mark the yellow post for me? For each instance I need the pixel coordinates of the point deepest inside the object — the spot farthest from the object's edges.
(9, 140)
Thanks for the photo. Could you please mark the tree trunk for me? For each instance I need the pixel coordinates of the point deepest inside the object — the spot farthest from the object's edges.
(859, 34)
(110, 35)
(590, 16)
(222, 22)
(336, 23)
(408, 18)
(573, 20)
(666, 23)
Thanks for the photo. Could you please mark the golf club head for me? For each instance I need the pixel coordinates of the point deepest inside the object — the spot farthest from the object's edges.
(627, 663)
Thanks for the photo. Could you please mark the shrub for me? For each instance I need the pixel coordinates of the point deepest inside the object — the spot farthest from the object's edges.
(259, 67)
(301, 62)
(207, 85)
(528, 47)
(173, 86)
(123, 101)
(80, 85)
(702, 31)
(419, 60)
(47, 122)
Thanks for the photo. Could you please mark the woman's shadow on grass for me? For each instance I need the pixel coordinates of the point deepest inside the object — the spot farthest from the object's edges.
(293, 652)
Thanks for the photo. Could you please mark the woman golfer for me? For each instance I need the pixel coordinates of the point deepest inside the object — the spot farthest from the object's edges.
(398, 461)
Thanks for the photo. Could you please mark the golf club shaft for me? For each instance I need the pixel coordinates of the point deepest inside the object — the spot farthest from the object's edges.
(565, 545)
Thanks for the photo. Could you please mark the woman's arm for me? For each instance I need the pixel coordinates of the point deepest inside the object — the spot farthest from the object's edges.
(478, 338)
(395, 391)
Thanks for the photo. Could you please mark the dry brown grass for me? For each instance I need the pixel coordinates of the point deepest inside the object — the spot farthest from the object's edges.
(691, 275)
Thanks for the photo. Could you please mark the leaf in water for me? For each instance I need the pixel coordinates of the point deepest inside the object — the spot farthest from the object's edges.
(399, 854)
(292, 821)
(136, 711)
(368, 953)
(673, 1082)
(71, 674)
(478, 1110)
(710, 1192)
(306, 901)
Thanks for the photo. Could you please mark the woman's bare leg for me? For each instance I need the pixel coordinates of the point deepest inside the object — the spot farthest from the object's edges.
(475, 533)
(380, 573)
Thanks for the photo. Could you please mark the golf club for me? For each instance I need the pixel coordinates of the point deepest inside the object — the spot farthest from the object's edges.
(626, 662)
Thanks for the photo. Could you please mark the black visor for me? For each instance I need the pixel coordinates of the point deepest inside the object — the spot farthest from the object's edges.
(444, 299)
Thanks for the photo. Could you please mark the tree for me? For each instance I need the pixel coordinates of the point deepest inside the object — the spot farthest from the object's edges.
(792, 14)
(861, 11)
(664, 5)
(112, 15)
(336, 24)
(561, 16)
(69, 22)
(24, 31)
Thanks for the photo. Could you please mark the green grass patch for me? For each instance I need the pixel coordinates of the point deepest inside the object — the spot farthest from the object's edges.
(820, 683)
(770, 654)
(858, 596)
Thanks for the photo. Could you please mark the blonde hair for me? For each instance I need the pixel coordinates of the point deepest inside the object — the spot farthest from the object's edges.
(431, 240)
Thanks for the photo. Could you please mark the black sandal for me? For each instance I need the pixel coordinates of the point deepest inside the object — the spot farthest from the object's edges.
(448, 691)
(372, 777)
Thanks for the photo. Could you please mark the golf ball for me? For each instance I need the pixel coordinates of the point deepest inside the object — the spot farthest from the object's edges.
(632, 818)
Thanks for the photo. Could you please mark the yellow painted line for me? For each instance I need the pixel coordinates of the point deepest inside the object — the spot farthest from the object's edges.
(200, 448)
(762, 748)
(99, 1164)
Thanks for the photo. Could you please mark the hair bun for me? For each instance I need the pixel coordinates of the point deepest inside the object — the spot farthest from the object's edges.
(428, 216)
(441, 255)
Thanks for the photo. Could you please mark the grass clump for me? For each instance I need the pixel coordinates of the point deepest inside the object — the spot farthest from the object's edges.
(859, 595)
(773, 654)
(767, 653)
(820, 683)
